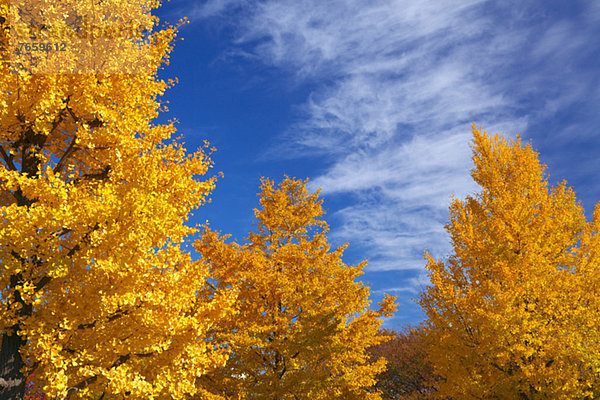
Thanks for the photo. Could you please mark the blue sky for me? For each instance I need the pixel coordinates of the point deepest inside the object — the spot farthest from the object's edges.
(373, 101)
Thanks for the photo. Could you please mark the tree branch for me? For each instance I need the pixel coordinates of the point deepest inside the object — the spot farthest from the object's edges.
(98, 175)
(59, 165)
(86, 382)
(7, 159)
(57, 120)
(84, 239)
(41, 283)
(116, 315)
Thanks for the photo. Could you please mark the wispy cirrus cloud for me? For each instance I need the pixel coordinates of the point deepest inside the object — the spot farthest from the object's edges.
(396, 85)
(396, 90)
(211, 8)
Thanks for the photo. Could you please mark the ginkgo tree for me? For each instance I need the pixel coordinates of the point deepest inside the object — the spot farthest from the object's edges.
(513, 312)
(97, 296)
(304, 322)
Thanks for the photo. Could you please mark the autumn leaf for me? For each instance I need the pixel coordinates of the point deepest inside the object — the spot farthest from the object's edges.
(512, 311)
(304, 323)
(99, 296)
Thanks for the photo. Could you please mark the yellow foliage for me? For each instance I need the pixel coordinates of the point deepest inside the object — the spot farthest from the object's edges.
(93, 203)
(513, 312)
(304, 323)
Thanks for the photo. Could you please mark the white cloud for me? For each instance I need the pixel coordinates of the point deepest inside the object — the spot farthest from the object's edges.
(413, 285)
(403, 90)
(397, 85)
(211, 8)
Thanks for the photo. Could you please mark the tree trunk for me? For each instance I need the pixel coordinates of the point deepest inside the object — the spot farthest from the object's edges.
(12, 381)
